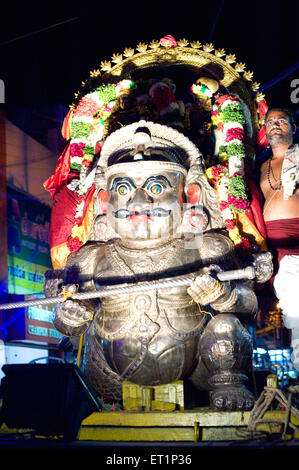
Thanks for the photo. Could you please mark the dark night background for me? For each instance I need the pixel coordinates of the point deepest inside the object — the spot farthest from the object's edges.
(48, 50)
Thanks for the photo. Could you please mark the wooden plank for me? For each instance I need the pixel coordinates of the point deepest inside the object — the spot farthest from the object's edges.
(204, 417)
(111, 433)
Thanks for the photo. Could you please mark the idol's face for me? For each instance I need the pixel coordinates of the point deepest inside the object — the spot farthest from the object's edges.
(145, 200)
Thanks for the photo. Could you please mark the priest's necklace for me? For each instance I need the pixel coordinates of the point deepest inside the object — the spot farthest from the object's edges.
(269, 180)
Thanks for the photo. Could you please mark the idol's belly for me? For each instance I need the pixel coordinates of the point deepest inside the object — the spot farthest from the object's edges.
(150, 340)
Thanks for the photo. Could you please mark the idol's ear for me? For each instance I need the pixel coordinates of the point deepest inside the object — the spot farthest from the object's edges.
(194, 221)
(102, 229)
(202, 197)
(103, 201)
(101, 192)
(193, 193)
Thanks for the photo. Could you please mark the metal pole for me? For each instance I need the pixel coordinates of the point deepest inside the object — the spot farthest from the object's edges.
(246, 273)
(80, 350)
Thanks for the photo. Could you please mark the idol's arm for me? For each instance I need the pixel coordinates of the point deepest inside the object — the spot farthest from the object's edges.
(73, 317)
(224, 297)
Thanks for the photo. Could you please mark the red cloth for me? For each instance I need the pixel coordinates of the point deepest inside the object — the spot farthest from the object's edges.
(262, 141)
(262, 107)
(283, 238)
(63, 213)
(66, 126)
(56, 181)
(255, 211)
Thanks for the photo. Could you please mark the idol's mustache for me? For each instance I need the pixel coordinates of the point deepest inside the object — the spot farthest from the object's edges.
(158, 212)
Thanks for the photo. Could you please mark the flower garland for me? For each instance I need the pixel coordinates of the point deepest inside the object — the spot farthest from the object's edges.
(88, 129)
(228, 177)
(218, 176)
(228, 119)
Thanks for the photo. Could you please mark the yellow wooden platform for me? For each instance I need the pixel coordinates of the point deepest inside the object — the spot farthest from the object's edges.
(197, 425)
(202, 424)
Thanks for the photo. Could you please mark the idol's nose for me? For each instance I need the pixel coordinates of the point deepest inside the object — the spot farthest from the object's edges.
(140, 200)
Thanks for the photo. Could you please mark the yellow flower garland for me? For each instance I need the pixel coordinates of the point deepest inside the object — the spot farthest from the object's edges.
(234, 233)
(77, 231)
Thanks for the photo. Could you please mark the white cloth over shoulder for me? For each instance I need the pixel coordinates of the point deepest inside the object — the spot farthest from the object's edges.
(290, 171)
(286, 285)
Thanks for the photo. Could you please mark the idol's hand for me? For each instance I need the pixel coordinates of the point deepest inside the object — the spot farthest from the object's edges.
(73, 312)
(206, 289)
(72, 317)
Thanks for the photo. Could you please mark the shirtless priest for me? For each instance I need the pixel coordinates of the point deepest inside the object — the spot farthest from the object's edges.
(279, 180)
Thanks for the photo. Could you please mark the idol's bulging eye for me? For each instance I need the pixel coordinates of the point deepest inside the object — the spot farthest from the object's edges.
(123, 189)
(156, 189)
(122, 186)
